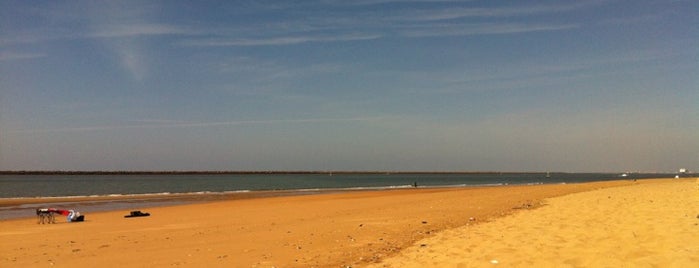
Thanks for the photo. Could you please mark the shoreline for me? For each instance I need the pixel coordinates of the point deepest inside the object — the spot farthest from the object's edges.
(346, 228)
(82, 186)
(104, 203)
(19, 207)
(244, 172)
(9, 207)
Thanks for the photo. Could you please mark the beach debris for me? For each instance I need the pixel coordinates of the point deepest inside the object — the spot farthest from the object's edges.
(424, 222)
(527, 205)
(423, 245)
(471, 219)
(137, 213)
(47, 215)
(361, 224)
(494, 261)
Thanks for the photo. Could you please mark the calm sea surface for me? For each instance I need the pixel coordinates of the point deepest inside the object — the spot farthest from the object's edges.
(31, 186)
(90, 185)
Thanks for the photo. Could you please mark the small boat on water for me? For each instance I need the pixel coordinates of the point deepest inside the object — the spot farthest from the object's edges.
(624, 175)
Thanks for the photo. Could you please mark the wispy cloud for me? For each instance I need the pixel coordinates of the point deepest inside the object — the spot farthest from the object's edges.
(271, 78)
(450, 18)
(155, 124)
(101, 32)
(270, 69)
(275, 41)
(143, 29)
(451, 13)
(551, 71)
(12, 56)
(247, 65)
(378, 2)
(483, 28)
(131, 57)
(632, 20)
(25, 38)
(331, 26)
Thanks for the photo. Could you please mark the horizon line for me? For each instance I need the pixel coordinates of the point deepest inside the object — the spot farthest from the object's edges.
(96, 172)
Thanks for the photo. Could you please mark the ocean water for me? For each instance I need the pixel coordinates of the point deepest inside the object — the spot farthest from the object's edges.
(14, 186)
(206, 185)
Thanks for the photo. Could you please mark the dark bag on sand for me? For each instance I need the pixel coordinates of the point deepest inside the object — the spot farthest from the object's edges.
(137, 213)
(79, 218)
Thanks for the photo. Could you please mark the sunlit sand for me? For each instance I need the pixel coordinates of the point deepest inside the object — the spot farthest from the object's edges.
(612, 224)
(645, 225)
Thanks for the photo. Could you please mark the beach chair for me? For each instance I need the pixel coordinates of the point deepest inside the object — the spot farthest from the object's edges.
(46, 215)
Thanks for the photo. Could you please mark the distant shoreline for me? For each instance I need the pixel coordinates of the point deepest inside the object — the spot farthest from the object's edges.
(190, 172)
(252, 172)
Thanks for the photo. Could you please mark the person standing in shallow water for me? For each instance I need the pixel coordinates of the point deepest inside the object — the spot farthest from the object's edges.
(414, 184)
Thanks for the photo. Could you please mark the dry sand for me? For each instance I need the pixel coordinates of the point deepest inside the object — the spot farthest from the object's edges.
(644, 225)
(362, 228)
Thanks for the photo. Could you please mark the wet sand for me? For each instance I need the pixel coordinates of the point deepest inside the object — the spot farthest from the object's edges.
(13, 208)
(328, 230)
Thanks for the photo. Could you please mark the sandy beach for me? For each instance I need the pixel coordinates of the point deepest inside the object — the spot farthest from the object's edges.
(613, 224)
(644, 225)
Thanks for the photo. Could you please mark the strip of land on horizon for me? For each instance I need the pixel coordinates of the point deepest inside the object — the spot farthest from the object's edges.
(50, 172)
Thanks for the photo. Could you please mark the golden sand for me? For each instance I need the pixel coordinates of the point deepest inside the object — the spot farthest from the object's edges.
(461, 226)
(644, 225)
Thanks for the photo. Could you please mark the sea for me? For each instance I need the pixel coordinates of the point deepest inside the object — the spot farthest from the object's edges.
(173, 189)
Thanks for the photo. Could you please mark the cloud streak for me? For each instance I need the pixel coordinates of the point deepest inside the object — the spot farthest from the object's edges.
(179, 124)
(133, 30)
(333, 26)
(131, 58)
(483, 29)
(277, 41)
(103, 31)
(12, 56)
(476, 12)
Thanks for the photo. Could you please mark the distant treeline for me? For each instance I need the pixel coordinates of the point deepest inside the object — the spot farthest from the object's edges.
(30, 172)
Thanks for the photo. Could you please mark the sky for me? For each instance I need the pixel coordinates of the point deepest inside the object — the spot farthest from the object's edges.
(370, 85)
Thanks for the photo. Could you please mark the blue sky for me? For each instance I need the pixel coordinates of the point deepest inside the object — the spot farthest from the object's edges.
(598, 85)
